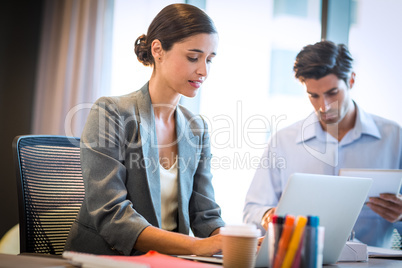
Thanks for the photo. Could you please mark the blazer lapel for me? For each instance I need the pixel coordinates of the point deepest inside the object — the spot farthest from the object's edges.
(188, 157)
(188, 151)
(150, 150)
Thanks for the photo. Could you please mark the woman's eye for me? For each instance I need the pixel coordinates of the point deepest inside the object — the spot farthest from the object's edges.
(192, 59)
(332, 93)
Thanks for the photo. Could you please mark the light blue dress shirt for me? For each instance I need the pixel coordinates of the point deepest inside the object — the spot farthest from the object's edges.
(305, 147)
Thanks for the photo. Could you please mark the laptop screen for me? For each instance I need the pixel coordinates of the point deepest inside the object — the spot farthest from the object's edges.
(336, 200)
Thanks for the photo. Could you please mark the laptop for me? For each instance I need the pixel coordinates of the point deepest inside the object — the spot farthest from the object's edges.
(384, 180)
(336, 200)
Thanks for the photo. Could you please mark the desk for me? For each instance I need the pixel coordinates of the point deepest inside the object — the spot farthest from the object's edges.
(373, 262)
(33, 261)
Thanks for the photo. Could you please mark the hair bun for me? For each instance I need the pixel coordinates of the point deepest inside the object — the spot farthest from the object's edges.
(141, 50)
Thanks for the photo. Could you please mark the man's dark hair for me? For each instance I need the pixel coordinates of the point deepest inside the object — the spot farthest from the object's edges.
(323, 58)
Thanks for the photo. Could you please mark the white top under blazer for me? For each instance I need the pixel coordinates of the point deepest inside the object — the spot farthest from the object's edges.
(169, 200)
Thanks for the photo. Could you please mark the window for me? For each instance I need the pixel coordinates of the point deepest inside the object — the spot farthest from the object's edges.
(131, 19)
(291, 7)
(251, 91)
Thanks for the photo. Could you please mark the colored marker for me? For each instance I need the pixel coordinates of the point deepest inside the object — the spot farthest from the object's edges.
(278, 226)
(320, 246)
(275, 234)
(309, 256)
(284, 240)
(294, 243)
(297, 261)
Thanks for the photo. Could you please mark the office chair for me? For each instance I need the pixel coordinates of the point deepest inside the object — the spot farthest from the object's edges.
(50, 190)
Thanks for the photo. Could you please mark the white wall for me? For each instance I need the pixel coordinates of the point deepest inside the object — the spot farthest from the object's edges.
(375, 43)
(131, 19)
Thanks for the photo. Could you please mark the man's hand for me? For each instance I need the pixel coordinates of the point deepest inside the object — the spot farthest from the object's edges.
(267, 218)
(388, 206)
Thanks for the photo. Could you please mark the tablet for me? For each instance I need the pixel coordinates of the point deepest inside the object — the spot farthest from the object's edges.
(384, 180)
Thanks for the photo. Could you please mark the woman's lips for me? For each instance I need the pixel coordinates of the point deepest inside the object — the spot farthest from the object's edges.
(195, 83)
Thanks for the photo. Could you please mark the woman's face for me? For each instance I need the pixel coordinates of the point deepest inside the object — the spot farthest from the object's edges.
(186, 65)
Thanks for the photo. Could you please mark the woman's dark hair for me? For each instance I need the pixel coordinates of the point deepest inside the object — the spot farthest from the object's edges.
(323, 58)
(172, 24)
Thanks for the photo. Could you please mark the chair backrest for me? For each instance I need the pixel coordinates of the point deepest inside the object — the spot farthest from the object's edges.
(50, 190)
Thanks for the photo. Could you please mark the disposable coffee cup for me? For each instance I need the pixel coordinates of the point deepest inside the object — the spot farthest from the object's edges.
(239, 245)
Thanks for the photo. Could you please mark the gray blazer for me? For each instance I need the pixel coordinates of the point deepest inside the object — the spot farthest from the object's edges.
(120, 166)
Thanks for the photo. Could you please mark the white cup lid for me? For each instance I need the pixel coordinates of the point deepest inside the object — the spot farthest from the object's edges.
(245, 230)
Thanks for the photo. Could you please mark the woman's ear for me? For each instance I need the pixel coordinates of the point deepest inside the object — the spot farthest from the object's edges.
(156, 49)
(352, 80)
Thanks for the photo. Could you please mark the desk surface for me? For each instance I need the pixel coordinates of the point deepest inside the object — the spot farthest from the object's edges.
(373, 262)
(33, 261)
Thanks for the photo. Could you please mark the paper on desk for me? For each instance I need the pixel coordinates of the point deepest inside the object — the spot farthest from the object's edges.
(85, 260)
(155, 260)
(152, 259)
(384, 252)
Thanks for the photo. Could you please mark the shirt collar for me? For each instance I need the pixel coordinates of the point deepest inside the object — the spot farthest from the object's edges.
(311, 128)
(364, 125)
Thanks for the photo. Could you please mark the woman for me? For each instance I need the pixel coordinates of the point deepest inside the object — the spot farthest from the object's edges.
(145, 159)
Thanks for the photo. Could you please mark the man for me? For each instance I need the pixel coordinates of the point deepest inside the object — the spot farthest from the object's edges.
(338, 135)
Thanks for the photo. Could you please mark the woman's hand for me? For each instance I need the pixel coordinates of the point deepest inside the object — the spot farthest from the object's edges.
(171, 243)
(207, 246)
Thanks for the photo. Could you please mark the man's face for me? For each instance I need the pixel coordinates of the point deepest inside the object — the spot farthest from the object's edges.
(330, 97)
